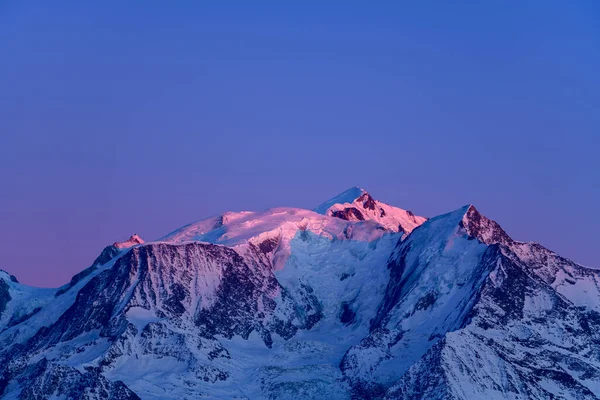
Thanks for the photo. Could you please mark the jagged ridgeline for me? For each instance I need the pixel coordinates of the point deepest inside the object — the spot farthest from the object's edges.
(355, 299)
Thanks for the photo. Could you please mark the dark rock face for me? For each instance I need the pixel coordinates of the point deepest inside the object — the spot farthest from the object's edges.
(44, 380)
(4, 296)
(432, 384)
(466, 313)
(367, 201)
(521, 333)
(397, 266)
(235, 312)
(172, 270)
(107, 254)
(426, 301)
(348, 315)
(484, 229)
(349, 214)
(501, 327)
(12, 278)
(14, 320)
(269, 245)
(166, 280)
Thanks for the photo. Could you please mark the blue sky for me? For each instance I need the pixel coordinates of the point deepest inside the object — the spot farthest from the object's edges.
(140, 117)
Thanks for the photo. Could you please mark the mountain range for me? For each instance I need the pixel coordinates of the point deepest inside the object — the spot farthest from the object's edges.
(356, 299)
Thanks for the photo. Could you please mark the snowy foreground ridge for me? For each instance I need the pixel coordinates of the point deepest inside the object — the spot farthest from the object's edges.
(353, 300)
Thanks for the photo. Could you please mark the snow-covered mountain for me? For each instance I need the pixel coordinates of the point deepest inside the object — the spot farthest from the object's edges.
(356, 299)
(355, 204)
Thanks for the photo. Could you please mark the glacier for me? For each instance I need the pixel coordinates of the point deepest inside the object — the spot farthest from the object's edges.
(356, 299)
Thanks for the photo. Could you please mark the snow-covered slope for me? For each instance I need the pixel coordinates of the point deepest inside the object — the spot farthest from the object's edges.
(355, 204)
(297, 304)
(470, 313)
(273, 230)
(19, 302)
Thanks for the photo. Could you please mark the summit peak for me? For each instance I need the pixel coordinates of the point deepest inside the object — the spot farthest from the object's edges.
(483, 228)
(132, 241)
(356, 204)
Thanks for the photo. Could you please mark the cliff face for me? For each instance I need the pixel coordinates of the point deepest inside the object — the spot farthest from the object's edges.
(290, 303)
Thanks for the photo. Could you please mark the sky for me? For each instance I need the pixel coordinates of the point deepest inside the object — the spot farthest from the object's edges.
(139, 117)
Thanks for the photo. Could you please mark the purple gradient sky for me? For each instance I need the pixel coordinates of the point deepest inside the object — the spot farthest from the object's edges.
(120, 118)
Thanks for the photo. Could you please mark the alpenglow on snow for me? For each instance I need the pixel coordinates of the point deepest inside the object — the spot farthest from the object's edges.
(355, 299)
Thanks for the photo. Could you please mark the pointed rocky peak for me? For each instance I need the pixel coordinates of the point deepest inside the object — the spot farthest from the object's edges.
(132, 241)
(467, 221)
(8, 277)
(368, 203)
(356, 204)
(482, 228)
